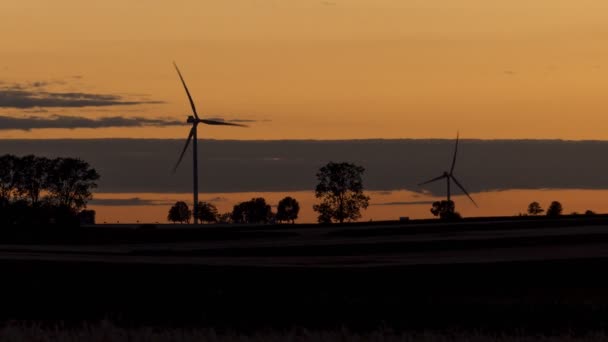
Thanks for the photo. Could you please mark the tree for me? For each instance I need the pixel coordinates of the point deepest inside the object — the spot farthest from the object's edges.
(288, 209)
(325, 213)
(179, 212)
(340, 189)
(8, 179)
(207, 212)
(555, 209)
(70, 182)
(254, 211)
(38, 190)
(446, 210)
(33, 177)
(224, 218)
(535, 209)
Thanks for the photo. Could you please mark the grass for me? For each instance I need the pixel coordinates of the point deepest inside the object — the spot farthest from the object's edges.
(506, 301)
(106, 331)
(553, 298)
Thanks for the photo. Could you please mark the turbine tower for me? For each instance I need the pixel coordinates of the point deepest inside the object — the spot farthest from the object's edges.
(449, 176)
(195, 120)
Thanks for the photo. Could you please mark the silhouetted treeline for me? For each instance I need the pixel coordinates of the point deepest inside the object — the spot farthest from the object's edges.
(40, 190)
(254, 211)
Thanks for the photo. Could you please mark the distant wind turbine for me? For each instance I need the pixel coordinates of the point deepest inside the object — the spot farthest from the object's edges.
(449, 176)
(195, 120)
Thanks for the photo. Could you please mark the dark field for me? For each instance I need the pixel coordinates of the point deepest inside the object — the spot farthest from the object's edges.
(528, 276)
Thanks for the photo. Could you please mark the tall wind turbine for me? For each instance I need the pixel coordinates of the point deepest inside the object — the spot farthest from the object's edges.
(449, 176)
(195, 120)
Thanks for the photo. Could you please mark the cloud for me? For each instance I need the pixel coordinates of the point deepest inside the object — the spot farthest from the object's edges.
(70, 122)
(39, 84)
(418, 192)
(36, 110)
(226, 166)
(217, 199)
(135, 201)
(33, 95)
(34, 84)
(404, 203)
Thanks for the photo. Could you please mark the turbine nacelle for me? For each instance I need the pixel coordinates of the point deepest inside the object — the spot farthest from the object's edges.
(191, 119)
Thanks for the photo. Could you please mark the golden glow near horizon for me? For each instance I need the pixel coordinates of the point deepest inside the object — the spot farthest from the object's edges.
(385, 205)
(320, 69)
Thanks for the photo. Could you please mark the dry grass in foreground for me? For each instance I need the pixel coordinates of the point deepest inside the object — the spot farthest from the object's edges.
(104, 331)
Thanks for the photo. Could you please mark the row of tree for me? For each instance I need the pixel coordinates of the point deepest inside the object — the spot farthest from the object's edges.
(555, 209)
(254, 211)
(446, 210)
(340, 190)
(42, 189)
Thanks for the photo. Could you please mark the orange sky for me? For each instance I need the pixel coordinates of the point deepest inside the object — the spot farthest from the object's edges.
(321, 69)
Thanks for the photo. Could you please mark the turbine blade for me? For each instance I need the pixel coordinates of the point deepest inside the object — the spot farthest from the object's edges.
(455, 152)
(463, 190)
(181, 156)
(217, 122)
(432, 180)
(187, 91)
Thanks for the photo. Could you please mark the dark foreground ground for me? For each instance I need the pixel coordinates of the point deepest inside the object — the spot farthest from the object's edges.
(544, 277)
(540, 296)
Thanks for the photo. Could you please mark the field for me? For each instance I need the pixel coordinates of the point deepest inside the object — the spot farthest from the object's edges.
(484, 277)
(106, 331)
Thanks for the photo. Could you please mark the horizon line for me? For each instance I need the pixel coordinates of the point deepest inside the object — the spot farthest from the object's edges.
(314, 140)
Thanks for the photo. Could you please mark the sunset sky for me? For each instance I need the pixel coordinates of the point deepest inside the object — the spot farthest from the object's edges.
(303, 69)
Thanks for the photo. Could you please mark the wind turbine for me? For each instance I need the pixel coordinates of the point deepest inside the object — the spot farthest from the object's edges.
(449, 176)
(195, 120)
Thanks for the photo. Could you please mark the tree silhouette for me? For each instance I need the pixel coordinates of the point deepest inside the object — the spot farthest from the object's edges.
(8, 177)
(288, 209)
(179, 212)
(224, 218)
(254, 211)
(534, 208)
(33, 177)
(38, 190)
(325, 213)
(207, 212)
(341, 190)
(70, 182)
(555, 209)
(446, 210)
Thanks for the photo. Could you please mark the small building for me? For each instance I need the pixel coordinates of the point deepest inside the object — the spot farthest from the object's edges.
(86, 217)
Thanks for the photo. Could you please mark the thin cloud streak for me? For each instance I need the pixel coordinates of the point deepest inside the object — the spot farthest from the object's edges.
(18, 97)
(135, 201)
(28, 123)
(404, 203)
